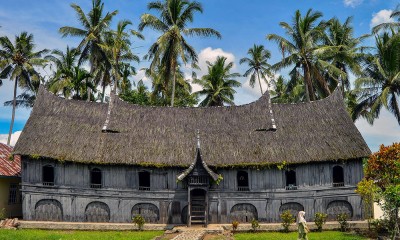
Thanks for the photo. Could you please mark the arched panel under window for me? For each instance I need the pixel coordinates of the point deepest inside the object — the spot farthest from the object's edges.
(144, 181)
(48, 175)
(95, 178)
(338, 176)
(243, 181)
(97, 212)
(48, 210)
(290, 176)
(293, 207)
(148, 211)
(244, 212)
(337, 207)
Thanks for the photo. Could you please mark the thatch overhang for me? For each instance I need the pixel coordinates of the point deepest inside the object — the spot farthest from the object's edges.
(70, 130)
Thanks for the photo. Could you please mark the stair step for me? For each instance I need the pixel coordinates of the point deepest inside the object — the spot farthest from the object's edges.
(198, 221)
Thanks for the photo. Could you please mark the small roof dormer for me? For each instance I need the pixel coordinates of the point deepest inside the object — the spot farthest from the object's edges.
(198, 167)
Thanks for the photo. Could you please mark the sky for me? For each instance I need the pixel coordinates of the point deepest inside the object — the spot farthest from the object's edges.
(241, 23)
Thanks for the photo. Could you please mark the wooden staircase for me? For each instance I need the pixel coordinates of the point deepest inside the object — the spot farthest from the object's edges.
(198, 210)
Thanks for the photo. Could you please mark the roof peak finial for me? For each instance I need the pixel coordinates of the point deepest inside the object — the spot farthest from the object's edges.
(198, 138)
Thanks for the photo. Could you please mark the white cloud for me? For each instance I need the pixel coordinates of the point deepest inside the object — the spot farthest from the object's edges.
(385, 130)
(256, 90)
(208, 54)
(352, 3)
(382, 16)
(14, 138)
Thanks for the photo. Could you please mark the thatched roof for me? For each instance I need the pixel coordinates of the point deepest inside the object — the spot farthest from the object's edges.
(71, 130)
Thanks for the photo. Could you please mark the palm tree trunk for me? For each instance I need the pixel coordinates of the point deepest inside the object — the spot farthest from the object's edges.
(88, 90)
(259, 81)
(308, 84)
(103, 93)
(13, 112)
(173, 83)
(88, 93)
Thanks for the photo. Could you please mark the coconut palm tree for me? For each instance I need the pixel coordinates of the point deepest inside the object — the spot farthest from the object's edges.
(126, 70)
(117, 46)
(342, 50)
(173, 18)
(64, 72)
(258, 63)
(395, 25)
(287, 91)
(379, 85)
(94, 25)
(79, 84)
(18, 62)
(301, 45)
(160, 95)
(218, 84)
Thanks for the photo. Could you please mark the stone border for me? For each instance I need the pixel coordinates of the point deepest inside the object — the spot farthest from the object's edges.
(243, 227)
(90, 226)
(276, 227)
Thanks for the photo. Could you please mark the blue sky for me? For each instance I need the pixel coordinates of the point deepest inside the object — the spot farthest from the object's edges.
(241, 23)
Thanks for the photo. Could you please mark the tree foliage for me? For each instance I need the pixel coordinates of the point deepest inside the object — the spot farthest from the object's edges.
(379, 84)
(218, 84)
(172, 20)
(382, 177)
(258, 65)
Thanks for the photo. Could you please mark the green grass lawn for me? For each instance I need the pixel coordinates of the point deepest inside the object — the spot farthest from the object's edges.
(328, 235)
(75, 235)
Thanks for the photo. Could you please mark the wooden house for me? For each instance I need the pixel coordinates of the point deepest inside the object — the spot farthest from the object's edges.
(183, 165)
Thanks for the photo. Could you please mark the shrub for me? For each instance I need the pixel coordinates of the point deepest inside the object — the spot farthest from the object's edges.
(320, 219)
(380, 226)
(254, 224)
(235, 225)
(342, 219)
(139, 221)
(287, 219)
(2, 213)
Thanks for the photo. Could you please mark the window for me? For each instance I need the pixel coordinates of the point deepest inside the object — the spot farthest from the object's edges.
(338, 176)
(48, 175)
(144, 181)
(95, 178)
(12, 197)
(243, 181)
(290, 176)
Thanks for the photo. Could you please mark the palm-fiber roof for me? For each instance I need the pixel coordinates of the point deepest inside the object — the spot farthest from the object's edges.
(71, 130)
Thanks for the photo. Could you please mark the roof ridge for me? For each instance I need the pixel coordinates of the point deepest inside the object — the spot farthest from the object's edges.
(264, 97)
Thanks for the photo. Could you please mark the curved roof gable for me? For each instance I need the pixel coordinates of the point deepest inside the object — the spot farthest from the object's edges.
(70, 130)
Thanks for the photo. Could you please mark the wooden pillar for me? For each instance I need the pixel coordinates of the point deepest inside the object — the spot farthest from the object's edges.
(189, 220)
(206, 209)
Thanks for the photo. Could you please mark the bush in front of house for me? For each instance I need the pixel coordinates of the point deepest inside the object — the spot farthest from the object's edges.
(139, 221)
(320, 220)
(235, 225)
(254, 225)
(342, 219)
(287, 220)
(2, 214)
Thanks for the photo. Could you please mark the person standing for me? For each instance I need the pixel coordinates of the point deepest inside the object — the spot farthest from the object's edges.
(302, 226)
